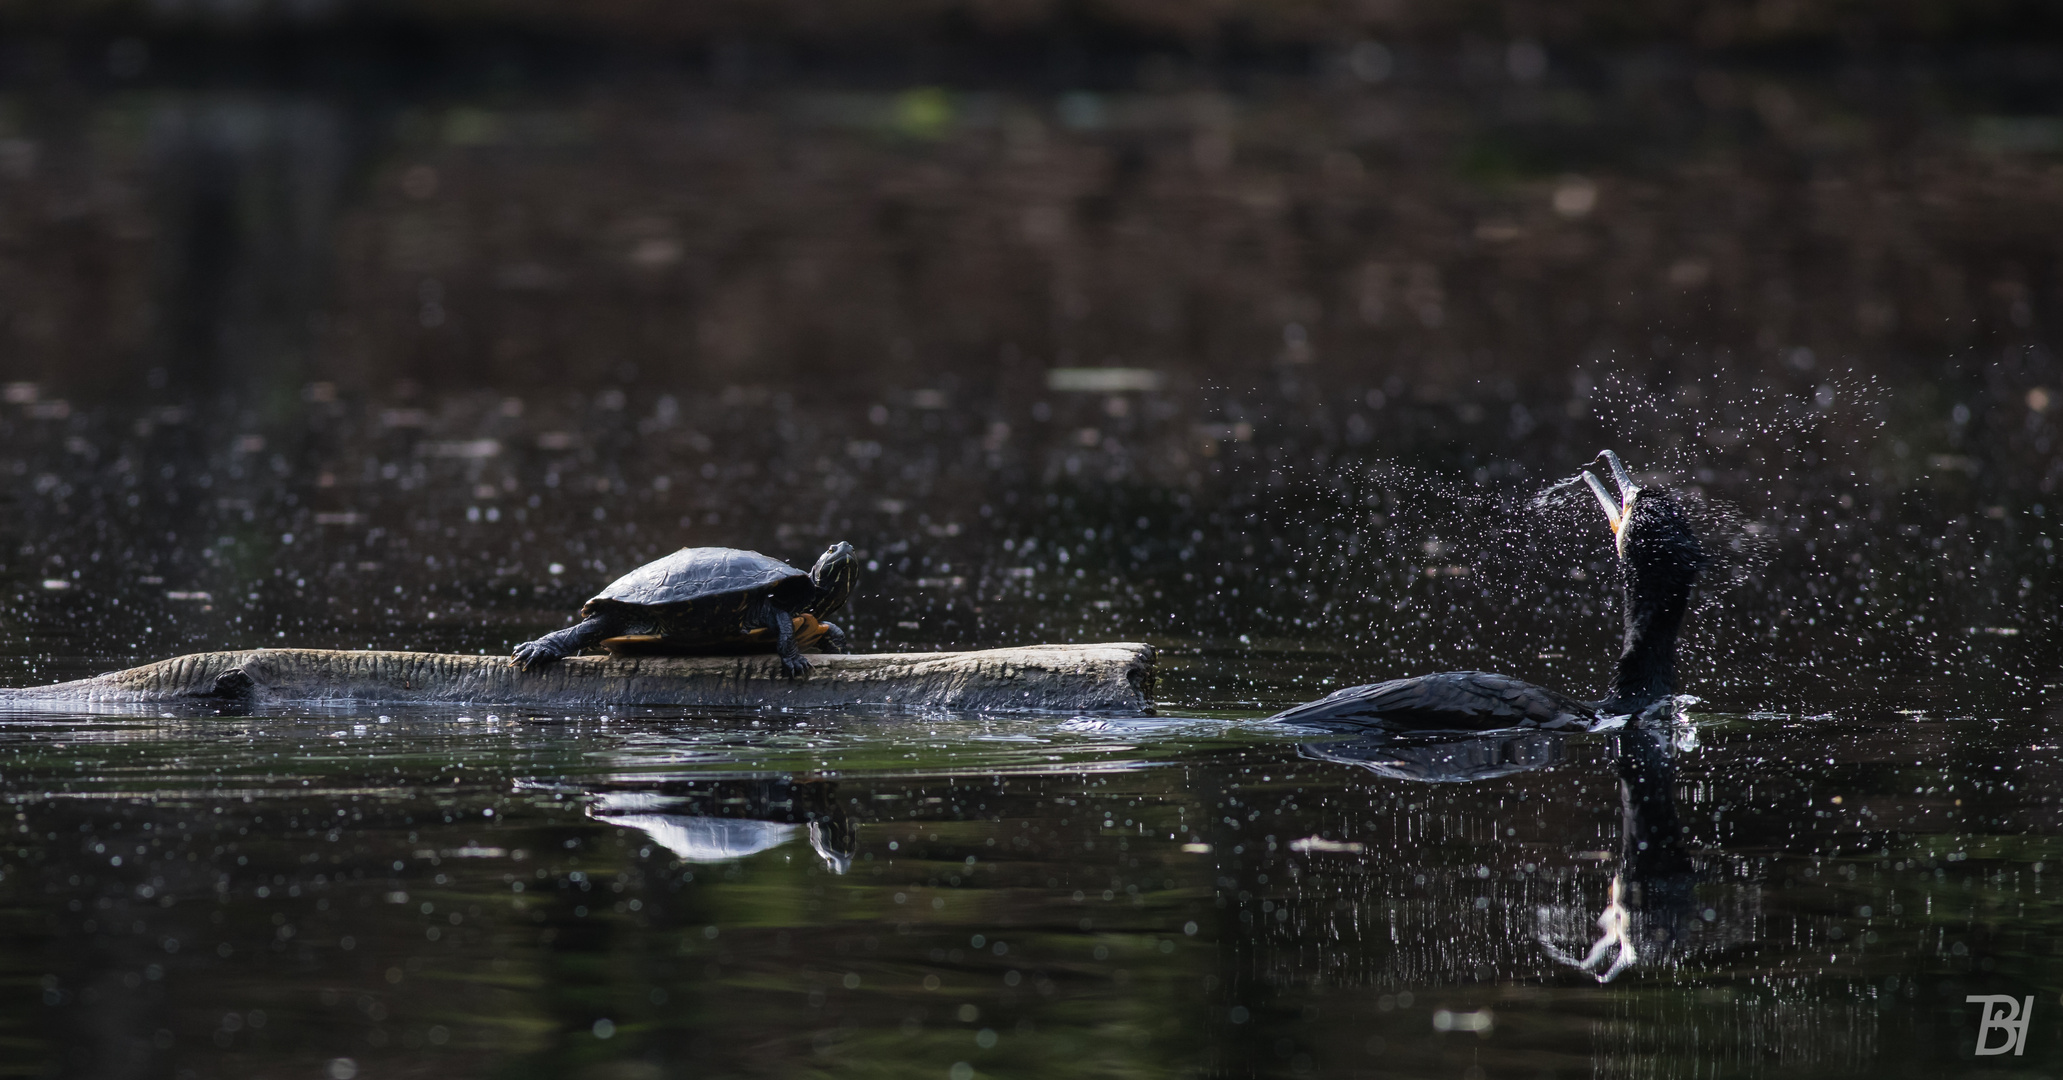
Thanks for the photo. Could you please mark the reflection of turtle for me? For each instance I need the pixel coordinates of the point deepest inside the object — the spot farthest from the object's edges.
(725, 820)
(711, 600)
(693, 839)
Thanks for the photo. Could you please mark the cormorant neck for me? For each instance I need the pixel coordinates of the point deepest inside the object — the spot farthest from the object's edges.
(1654, 607)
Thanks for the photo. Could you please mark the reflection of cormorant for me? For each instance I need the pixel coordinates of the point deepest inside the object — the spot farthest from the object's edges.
(1659, 560)
(1442, 759)
(1650, 904)
(721, 820)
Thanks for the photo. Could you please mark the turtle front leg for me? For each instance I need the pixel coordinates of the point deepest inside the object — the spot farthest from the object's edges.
(564, 643)
(833, 640)
(783, 626)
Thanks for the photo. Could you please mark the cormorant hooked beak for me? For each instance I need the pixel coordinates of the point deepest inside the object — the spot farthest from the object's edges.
(1615, 510)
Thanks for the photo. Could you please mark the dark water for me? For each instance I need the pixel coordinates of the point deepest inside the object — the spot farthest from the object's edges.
(774, 895)
(423, 368)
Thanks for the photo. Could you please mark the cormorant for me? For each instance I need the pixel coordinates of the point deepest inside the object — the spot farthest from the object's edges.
(1659, 560)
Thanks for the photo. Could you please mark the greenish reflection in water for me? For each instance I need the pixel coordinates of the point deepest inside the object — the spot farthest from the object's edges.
(773, 895)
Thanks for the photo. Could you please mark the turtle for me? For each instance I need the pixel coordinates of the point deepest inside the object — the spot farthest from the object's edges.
(708, 600)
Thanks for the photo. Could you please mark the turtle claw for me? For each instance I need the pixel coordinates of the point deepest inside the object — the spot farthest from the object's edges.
(530, 654)
(795, 666)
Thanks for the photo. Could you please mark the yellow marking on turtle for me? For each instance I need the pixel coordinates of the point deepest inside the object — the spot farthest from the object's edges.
(809, 630)
(636, 645)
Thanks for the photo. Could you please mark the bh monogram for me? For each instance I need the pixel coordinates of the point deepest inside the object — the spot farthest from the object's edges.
(2002, 1013)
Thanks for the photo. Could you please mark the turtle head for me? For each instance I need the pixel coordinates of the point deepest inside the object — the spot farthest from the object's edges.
(836, 572)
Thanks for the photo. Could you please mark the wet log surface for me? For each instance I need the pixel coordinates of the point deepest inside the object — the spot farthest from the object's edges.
(1114, 677)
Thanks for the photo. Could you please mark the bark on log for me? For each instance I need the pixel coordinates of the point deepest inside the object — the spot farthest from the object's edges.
(1115, 677)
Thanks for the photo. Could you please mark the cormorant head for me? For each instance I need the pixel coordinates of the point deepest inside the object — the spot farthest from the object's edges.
(836, 572)
(1656, 541)
(1653, 535)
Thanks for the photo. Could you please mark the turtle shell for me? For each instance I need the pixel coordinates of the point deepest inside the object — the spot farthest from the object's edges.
(698, 575)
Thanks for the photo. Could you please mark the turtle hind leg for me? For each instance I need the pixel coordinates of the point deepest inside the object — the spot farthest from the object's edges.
(812, 632)
(833, 640)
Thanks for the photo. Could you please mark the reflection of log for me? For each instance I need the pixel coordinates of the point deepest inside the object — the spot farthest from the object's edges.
(1112, 677)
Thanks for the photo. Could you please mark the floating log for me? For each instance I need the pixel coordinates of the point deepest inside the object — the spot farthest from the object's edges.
(1115, 677)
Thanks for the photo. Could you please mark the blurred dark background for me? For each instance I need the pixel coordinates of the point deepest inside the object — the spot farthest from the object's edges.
(240, 194)
(418, 300)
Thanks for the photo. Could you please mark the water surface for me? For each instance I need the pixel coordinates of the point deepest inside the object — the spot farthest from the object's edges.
(650, 895)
